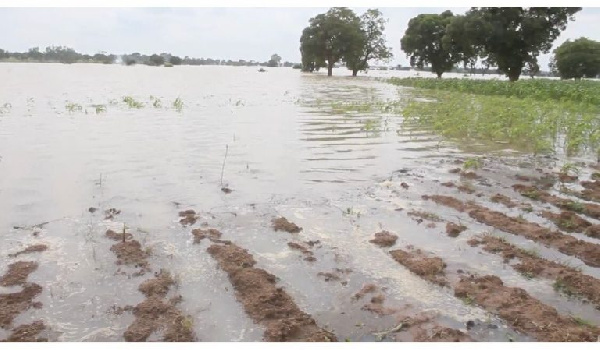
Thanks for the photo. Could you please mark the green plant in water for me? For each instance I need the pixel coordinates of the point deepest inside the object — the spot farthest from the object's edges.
(132, 103)
(473, 163)
(5, 108)
(570, 168)
(73, 107)
(583, 322)
(99, 108)
(178, 104)
(562, 287)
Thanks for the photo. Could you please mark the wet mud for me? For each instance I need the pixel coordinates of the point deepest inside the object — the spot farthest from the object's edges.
(568, 280)
(263, 301)
(200, 234)
(12, 304)
(532, 192)
(428, 268)
(109, 214)
(588, 252)
(282, 224)
(131, 253)
(187, 217)
(308, 254)
(567, 221)
(453, 230)
(36, 248)
(28, 333)
(523, 312)
(18, 273)
(384, 239)
(504, 200)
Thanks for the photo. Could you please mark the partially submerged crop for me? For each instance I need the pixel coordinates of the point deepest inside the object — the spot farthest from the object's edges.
(178, 104)
(132, 103)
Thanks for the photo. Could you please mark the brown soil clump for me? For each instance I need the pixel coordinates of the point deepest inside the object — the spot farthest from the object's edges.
(384, 239)
(431, 269)
(568, 280)
(376, 306)
(504, 200)
(17, 273)
(329, 276)
(593, 231)
(200, 234)
(31, 249)
(130, 253)
(188, 217)
(110, 214)
(12, 304)
(118, 236)
(454, 171)
(448, 184)
(308, 254)
(589, 253)
(27, 333)
(562, 177)
(366, 289)
(282, 224)
(522, 312)
(453, 230)
(567, 221)
(155, 313)
(263, 301)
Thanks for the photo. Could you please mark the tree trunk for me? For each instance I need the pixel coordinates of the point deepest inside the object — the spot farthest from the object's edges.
(329, 67)
(354, 72)
(514, 73)
(439, 74)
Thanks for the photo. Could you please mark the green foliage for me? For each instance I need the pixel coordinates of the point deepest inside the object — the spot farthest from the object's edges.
(178, 104)
(329, 38)
(156, 60)
(73, 107)
(5, 108)
(513, 37)
(577, 59)
(570, 168)
(132, 103)
(423, 42)
(274, 61)
(99, 108)
(373, 42)
(496, 113)
(175, 60)
(473, 163)
(539, 89)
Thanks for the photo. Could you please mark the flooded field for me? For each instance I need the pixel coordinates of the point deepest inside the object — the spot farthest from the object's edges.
(224, 204)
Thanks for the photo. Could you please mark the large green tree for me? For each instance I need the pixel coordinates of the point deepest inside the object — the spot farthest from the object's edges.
(372, 45)
(513, 37)
(423, 42)
(460, 42)
(329, 38)
(577, 59)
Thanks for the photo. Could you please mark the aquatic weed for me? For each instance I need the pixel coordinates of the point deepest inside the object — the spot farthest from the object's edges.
(178, 104)
(132, 103)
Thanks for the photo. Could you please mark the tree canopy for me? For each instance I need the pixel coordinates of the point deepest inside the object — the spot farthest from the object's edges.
(329, 38)
(372, 45)
(577, 59)
(513, 37)
(423, 42)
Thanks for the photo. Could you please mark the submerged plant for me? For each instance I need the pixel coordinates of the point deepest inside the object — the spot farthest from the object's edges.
(73, 107)
(99, 108)
(5, 108)
(178, 104)
(472, 163)
(132, 103)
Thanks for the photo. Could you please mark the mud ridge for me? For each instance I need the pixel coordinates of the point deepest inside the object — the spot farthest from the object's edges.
(28, 333)
(157, 313)
(567, 279)
(200, 234)
(428, 268)
(187, 217)
(31, 249)
(263, 301)
(588, 252)
(12, 304)
(523, 312)
(504, 200)
(308, 254)
(567, 221)
(453, 230)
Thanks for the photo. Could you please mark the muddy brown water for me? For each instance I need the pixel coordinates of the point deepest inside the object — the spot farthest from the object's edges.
(289, 155)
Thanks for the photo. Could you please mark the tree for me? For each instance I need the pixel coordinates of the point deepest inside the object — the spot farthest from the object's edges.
(274, 61)
(156, 60)
(372, 44)
(175, 60)
(329, 38)
(423, 42)
(513, 37)
(577, 59)
(461, 41)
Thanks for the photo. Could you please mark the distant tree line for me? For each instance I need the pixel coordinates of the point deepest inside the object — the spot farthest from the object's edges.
(62, 54)
(56, 54)
(509, 38)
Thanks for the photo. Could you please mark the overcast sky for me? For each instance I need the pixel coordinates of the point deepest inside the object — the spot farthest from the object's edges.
(219, 33)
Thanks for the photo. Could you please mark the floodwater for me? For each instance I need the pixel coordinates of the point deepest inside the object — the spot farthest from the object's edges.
(285, 152)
